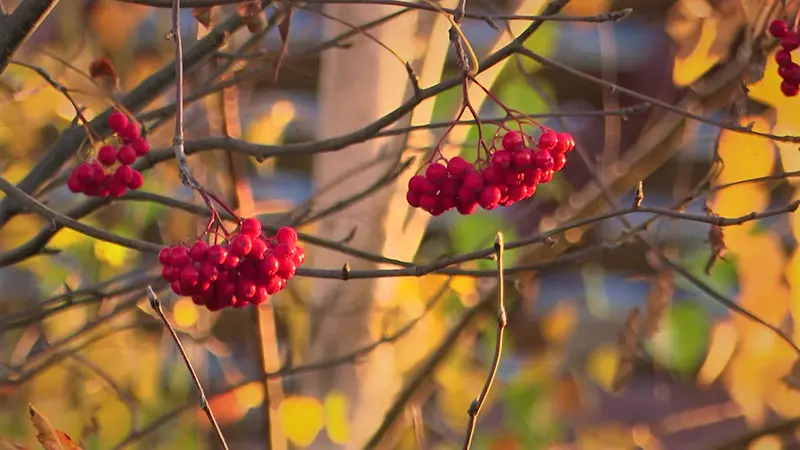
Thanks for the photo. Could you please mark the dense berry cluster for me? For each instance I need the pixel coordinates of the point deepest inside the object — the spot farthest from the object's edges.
(787, 69)
(111, 172)
(248, 268)
(511, 174)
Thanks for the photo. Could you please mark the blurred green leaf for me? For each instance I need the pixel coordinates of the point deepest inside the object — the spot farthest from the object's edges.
(682, 341)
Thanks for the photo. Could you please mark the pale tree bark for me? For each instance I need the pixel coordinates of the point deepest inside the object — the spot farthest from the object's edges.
(358, 85)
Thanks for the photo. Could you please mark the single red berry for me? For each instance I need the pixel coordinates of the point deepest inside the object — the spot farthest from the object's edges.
(783, 57)
(512, 141)
(489, 198)
(547, 140)
(140, 146)
(241, 245)
(778, 28)
(170, 274)
(501, 159)
(260, 296)
(521, 158)
(245, 288)
(198, 251)
(286, 234)
(559, 161)
(543, 160)
(208, 272)
(216, 254)
(107, 155)
(793, 74)
(467, 208)
(74, 184)
(299, 256)
(284, 250)
(84, 173)
(190, 275)
(117, 122)
(137, 180)
(457, 166)
(122, 176)
(115, 189)
(232, 261)
(491, 175)
(259, 249)
(789, 89)
(473, 181)
(547, 176)
(418, 184)
(179, 256)
(428, 202)
(413, 198)
(275, 284)
(436, 173)
(130, 132)
(269, 265)
(532, 176)
(791, 41)
(163, 256)
(566, 143)
(250, 227)
(287, 269)
(126, 155)
(784, 71)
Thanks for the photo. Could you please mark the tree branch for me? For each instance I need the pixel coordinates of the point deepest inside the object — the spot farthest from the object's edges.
(16, 27)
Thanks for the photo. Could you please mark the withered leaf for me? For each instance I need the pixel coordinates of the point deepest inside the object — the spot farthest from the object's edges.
(716, 238)
(627, 346)
(45, 432)
(657, 301)
(103, 73)
(283, 29)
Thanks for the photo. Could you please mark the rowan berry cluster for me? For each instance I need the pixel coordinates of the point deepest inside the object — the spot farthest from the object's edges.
(246, 269)
(111, 173)
(787, 69)
(510, 175)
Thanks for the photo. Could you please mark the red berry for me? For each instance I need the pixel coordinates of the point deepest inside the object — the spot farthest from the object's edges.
(117, 121)
(547, 176)
(789, 89)
(231, 261)
(137, 180)
(284, 250)
(547, 140)
(559, 161)
(170, 274)
(116, 189)
(250, 227)
(512, 141)
(436, 173)
(791, 41)
(99, 173)
(457, 166)
(260, 296)
(126, 155)
(84, 173)
(532, 176)
(413, 198)
(501, 159)
(514, 178)
(122, 176)
(241, 245)
(248, 268)
(269, 265)
(491, 175)
(542, 160)
(190, 275)
(428, 202)
(275, 284)
(466, 208)
(225, 293)
(473, 181)
(467, 195)
(419, 184)
(489, 198)
(179, 256)
(130, 132)
(287, 269)
(216, 254)
(778, 28)
(198, 251)
(208, 272)
(566, 143)
(783, 57)
(140, 146)
(287, 235)
(163, 256)
(521, 158)
(299, 256)
(74, 184)
(245, 288)
(107, 155)
(259, 248)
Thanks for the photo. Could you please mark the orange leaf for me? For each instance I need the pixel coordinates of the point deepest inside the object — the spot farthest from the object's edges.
(45, 432)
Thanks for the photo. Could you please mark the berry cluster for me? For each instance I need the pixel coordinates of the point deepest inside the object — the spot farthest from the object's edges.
(111, 172)
(787, 69)
(248, 268)
(511, 174)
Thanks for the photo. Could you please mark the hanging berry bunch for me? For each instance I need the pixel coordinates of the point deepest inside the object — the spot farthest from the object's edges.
(245, 269)
(787, 69)
(509, 174)
(110, 173)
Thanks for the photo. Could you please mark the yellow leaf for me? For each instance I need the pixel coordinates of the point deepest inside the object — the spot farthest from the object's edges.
(45, 433)
(560, 322)
(251, 395)
(723, 344)
(113, 254)
(184, 312)
(337, 406)
(303, 418)
(602, 365)
(687, 70)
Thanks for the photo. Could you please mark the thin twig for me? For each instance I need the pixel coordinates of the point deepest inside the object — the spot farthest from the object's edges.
(502, 320)
(156, 305)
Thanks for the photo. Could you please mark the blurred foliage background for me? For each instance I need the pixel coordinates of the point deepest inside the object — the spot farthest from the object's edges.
(101, 367)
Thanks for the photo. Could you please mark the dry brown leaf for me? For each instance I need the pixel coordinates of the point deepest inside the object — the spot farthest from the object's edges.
(627, 346)
(45, 432)
(716, 237)
(103, 73)
(658, 299)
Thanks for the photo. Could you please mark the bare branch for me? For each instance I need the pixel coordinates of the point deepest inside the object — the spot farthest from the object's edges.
(16, 27)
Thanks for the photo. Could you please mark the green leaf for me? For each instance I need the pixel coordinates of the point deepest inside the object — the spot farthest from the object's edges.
(682, 340)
